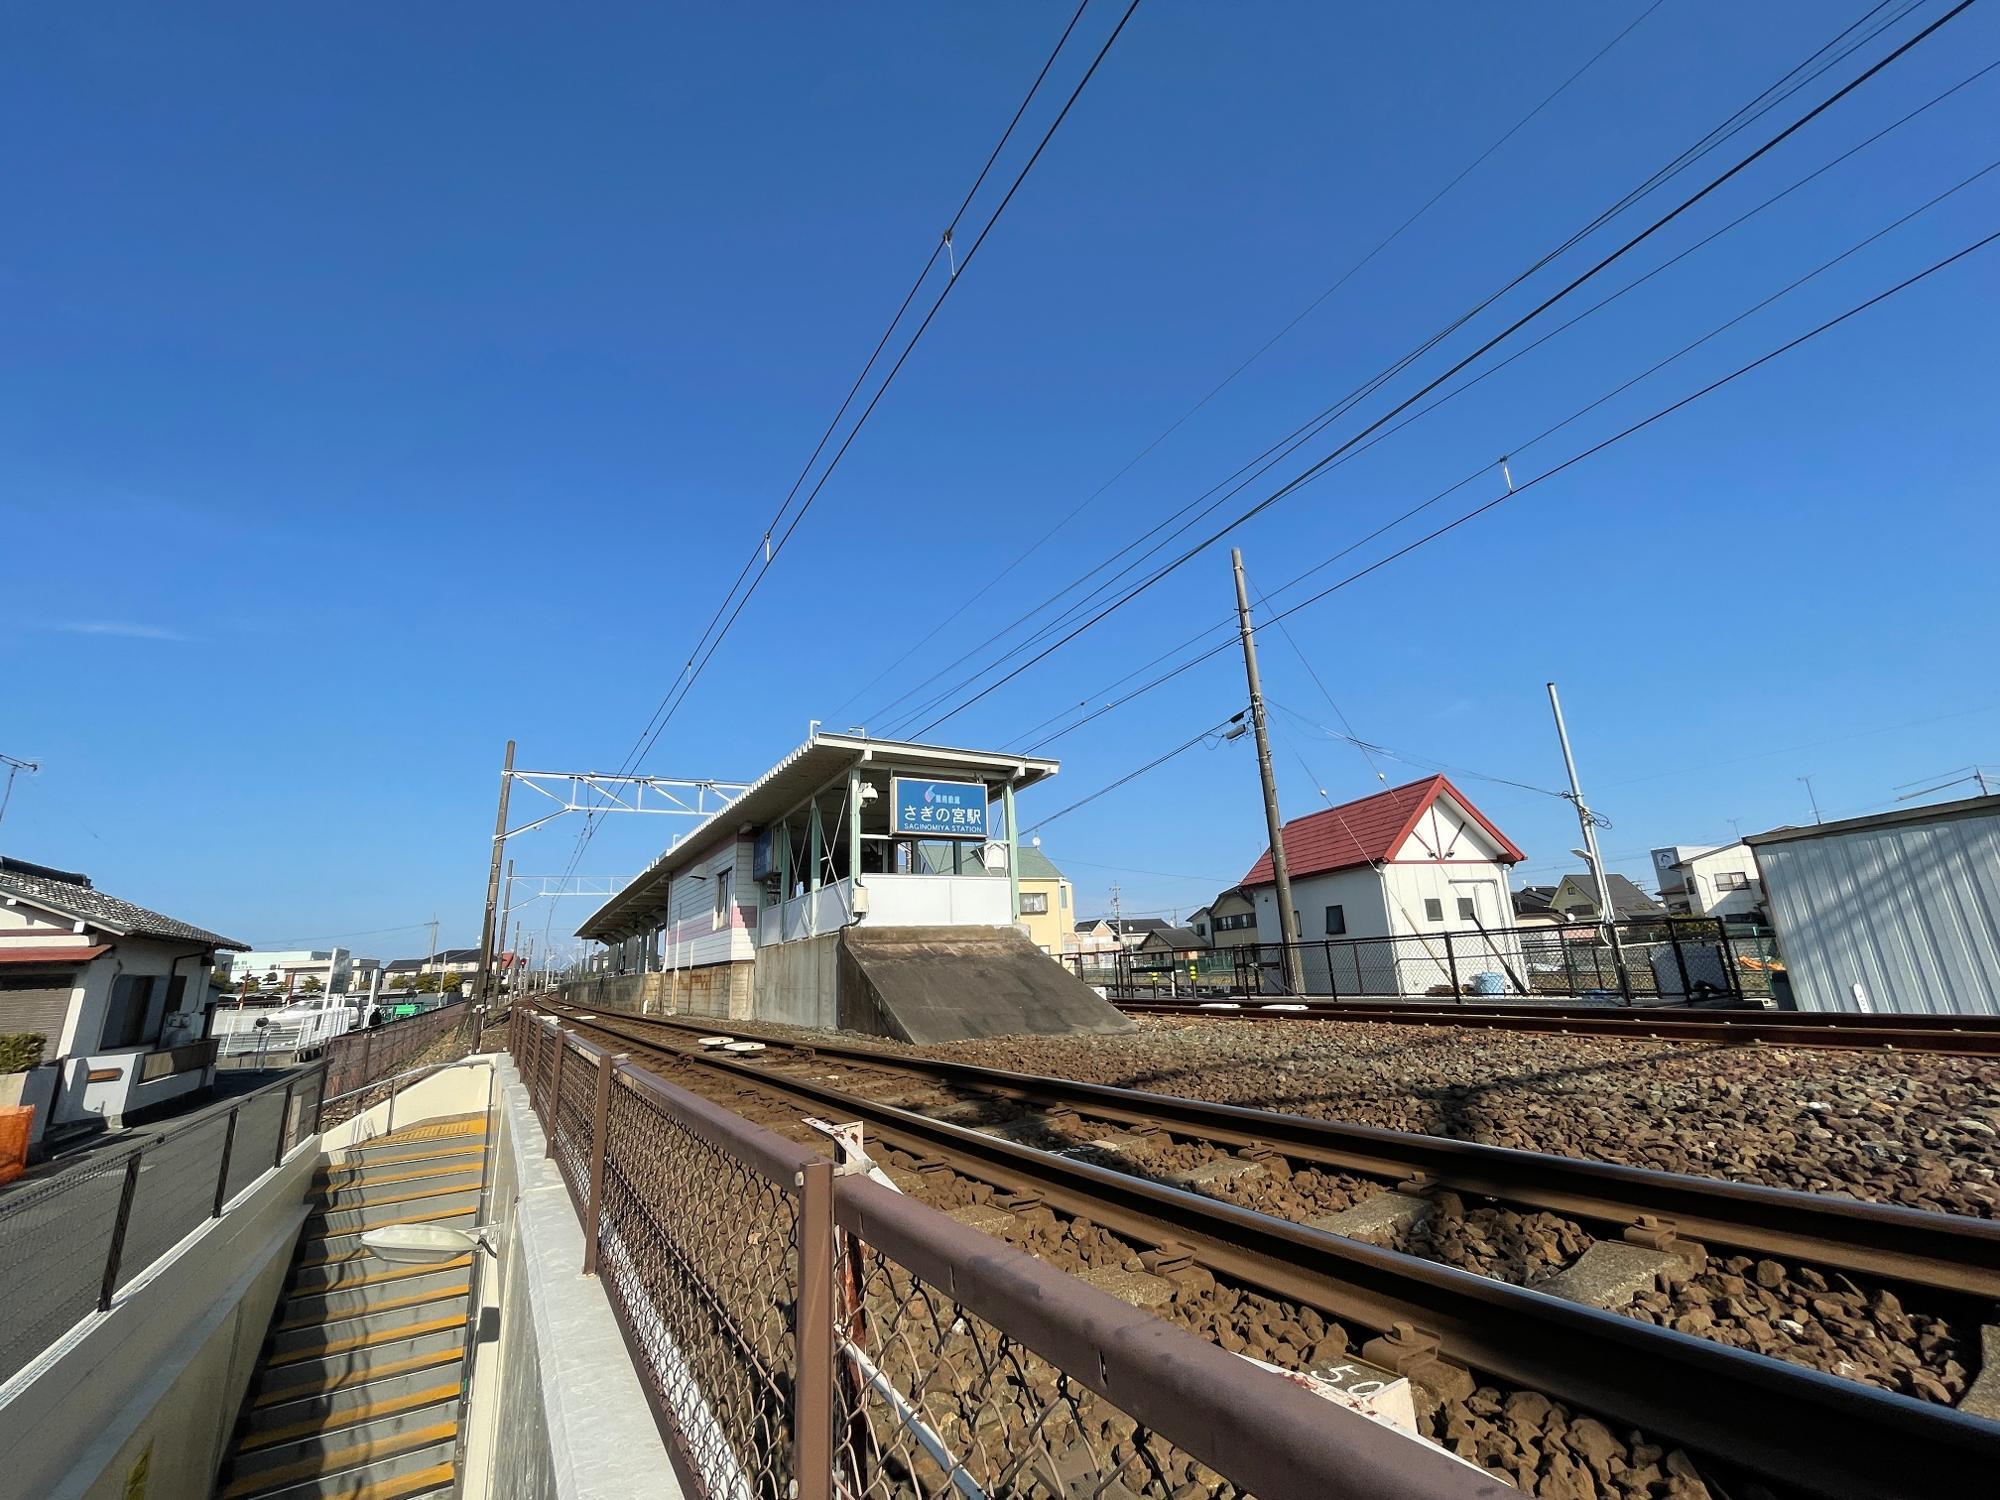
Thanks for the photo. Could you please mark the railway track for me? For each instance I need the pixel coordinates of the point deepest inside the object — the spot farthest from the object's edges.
(1789, 1425)
(1970, 1036)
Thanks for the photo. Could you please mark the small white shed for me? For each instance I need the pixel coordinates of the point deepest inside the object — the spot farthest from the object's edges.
(1897, 912)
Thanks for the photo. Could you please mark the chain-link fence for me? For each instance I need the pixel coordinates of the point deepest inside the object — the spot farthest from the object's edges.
(802, 1334)
(72, 1240)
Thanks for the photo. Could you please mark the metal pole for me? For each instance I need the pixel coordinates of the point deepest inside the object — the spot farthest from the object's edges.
(506, 909)
(284, 1129)
(493, 876)
(600, 1127)
(812, 1392)
(1288, 920)
(116, 1251)
(222, 1172)
(553, 1101)
(1607, 917)
(1013, 852)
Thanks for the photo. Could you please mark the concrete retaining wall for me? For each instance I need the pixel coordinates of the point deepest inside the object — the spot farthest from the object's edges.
(797, 982)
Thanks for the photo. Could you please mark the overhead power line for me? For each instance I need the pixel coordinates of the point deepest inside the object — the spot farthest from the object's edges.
(1223, 729)
(711, 637)
(1546, 303)
(1227, 626)
(881, 390)
(1590, 452)
(1270, 343)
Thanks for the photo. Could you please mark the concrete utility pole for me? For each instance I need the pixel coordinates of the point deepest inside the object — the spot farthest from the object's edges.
(1288, 919)
(479, 989)
(1606, 913)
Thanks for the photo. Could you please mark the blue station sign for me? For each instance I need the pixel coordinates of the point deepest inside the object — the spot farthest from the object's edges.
(937, 809)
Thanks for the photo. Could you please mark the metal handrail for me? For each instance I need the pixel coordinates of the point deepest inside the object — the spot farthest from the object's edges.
(473, 1059)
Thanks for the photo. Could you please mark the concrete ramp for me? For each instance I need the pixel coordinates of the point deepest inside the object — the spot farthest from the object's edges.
(951, 984)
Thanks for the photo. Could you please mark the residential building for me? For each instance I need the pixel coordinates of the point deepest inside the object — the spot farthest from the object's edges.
(1412, 861)
(1897, 912)
(1047, 900)
(285, 971)
(1534, 906)
(454, 966)
(1709, 880)
(1171, 940)
(1575, 899)
(1229, 921)
(1101, 934)
(118, 994)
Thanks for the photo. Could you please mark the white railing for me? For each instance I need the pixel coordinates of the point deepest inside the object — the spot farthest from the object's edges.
(241, 1033)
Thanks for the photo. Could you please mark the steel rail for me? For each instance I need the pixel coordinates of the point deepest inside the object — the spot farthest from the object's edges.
(1948, 1252)
(1796, 1426)
(1972, 1036)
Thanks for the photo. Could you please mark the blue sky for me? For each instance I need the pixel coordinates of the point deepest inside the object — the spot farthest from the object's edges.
(381, 382)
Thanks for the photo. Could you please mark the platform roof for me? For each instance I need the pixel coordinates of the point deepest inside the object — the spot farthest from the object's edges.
(821, 760)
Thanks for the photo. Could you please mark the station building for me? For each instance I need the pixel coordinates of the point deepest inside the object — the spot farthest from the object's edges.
(874, 885)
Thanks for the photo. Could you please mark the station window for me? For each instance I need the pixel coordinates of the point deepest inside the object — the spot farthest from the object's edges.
(1336, 921)
(722, 897)
(1467, 912)
(1433, 909)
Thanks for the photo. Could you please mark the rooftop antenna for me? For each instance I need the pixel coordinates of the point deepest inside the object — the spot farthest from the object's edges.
(14, 768)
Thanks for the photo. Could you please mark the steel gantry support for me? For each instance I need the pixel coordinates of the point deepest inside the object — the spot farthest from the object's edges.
(588, 792)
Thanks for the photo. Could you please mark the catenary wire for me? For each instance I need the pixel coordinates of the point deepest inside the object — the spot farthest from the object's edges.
(1220, 386)
(698, 660)
(1794, 80)
(1322, 463)
(1589, 452)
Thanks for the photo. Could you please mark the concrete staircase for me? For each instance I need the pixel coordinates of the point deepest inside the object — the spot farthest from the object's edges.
(357, 1396)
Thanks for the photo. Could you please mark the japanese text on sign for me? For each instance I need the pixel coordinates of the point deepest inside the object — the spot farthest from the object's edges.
(938, 809)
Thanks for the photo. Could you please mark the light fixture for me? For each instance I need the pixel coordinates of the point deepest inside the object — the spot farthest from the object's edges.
(422, 1244)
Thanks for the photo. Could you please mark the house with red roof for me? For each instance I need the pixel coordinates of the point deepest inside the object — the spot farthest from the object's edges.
(1414, 862)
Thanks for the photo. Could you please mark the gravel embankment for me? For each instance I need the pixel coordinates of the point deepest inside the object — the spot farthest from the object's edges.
(1919, 1130)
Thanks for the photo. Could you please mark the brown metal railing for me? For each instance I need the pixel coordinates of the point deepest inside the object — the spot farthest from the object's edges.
(805, 1334)
(359, 1058)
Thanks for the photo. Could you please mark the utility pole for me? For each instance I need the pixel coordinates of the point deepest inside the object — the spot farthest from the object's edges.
(1288, 919)
(1812, 797)
(479, 990)
(1605, 911)
(436, 978)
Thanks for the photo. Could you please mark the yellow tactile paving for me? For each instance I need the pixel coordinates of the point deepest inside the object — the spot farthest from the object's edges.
(364, 1341)
(343, 1458)
(387, 1304)
(306, 1389)
(353, 1416)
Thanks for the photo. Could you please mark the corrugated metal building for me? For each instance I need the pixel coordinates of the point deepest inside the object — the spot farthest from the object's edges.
(1895, 912)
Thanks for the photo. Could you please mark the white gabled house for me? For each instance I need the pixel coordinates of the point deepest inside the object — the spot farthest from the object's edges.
(1413, 862)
